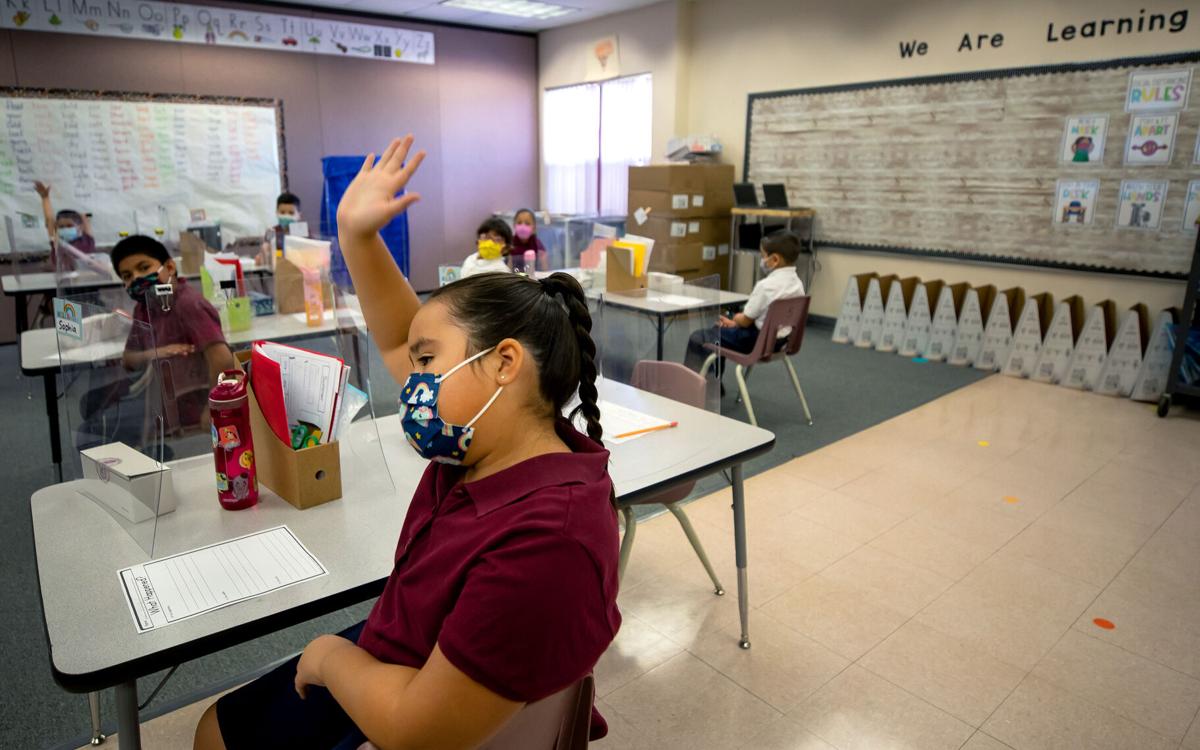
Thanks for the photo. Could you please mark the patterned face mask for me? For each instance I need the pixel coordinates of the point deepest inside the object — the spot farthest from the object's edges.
(427, 433)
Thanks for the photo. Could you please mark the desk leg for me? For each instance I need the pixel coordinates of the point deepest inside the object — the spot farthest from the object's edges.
(51, 394)
(22, 314)
(94, 706)
(662, 331)
(739, 543)
(129, 733)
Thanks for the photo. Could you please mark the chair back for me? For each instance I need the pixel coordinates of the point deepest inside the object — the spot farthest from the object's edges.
(679, 383)
(791, 313)
(560, 722)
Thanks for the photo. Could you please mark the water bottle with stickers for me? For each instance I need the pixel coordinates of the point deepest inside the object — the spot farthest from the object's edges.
(233, 445)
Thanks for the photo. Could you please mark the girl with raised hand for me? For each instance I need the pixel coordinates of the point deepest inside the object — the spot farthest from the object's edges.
(505, 579)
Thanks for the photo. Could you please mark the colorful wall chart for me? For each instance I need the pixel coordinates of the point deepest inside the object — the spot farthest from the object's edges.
(140, 163)
(198, 24)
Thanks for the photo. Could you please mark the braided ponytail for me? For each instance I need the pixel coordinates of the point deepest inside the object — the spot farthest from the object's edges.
(564, 287)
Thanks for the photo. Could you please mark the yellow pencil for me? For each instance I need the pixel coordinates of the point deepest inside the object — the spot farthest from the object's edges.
(646, 429)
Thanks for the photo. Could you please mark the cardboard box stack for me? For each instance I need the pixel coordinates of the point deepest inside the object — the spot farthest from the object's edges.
(686, 214)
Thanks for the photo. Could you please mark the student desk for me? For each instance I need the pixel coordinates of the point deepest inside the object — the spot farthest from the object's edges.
(40, 357)
(664, 307)
(79, 548)
(26, 285)
(739, 214)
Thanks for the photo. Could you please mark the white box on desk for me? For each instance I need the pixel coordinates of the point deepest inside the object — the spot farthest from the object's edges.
(127, 481)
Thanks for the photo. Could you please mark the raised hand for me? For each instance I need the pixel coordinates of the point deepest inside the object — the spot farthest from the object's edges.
(42, 188)
(370, 201)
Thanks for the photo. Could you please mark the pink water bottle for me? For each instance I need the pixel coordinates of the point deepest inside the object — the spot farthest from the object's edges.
(233, 445)
(530, 262)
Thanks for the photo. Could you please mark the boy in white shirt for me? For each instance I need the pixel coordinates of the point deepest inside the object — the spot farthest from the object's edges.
(494, 241)
(779, 252)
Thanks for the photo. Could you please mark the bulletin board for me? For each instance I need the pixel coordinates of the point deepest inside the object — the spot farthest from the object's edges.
(968, 166)
(139, 161)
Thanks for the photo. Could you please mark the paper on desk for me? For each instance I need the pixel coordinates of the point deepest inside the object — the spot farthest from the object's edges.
(162, 592)
(618, 420)
(677, 299)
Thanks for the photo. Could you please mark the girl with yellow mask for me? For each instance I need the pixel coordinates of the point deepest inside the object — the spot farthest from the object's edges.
(491, 249)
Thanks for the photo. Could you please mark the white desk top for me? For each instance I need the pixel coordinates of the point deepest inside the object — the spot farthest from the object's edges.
(80, 547)
(43, 282)
(39, 346)
(665, 303)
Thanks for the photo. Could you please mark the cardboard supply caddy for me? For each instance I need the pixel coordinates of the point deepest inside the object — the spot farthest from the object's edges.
(1028, 335)
(870, 326)
(1091, 348)
(621, 257)
(920, 318)
(289, 288)
(304, 478)
(191, 253)
(945, 321)
(849, 320)
(1059, 343)
(895, 313)
(972, 319)
(998, 335)
(1125, 356)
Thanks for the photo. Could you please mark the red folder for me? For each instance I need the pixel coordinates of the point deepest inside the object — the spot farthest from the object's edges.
(268, 391)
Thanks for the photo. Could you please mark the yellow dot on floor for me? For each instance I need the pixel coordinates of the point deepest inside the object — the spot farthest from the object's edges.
(984, 443)
(1011, 499)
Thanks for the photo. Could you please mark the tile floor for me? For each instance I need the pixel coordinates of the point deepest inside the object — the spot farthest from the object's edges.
(933, 582)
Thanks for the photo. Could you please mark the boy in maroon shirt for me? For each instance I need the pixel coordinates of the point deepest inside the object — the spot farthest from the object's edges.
(185, 340)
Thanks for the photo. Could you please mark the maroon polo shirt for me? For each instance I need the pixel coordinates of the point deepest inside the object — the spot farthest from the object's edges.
(191, 320)
(514, 575)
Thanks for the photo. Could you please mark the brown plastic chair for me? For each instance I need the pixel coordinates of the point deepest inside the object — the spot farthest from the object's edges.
(791, 313)
(559, 722)
(678, 383)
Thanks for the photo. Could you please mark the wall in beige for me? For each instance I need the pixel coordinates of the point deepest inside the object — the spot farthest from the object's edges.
(761, 45)
(652, 40)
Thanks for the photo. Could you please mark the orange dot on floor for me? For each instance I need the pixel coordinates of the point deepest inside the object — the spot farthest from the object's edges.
(1100, 622)
(1011, 499)
(984, 443)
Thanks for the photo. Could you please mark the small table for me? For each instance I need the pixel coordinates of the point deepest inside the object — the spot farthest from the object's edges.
(39, 357)
(739, 214)
(664, 307)
(79, 548)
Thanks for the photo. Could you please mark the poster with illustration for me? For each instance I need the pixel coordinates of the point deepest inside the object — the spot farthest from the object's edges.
(1158, 90)
(1075, 201)
(1083, 139)
(1191, 207)
(1151, 139)
(1141, 204)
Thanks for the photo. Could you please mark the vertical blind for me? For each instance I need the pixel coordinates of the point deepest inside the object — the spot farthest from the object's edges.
(591, 135)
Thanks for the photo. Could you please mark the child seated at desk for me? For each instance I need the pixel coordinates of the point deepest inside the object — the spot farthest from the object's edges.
(525, 238)
(287, 212)
(492, 248)
(503, 585)
(187, 338)
(779, 252)
(67, 225)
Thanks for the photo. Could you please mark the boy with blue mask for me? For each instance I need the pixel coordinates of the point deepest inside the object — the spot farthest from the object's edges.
(287, 209)
(67, 225)
(778, 254)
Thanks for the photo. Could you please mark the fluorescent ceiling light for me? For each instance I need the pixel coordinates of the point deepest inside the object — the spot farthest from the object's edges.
(521, 8)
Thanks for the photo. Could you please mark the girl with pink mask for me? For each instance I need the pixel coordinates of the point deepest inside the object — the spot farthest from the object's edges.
(525, 238)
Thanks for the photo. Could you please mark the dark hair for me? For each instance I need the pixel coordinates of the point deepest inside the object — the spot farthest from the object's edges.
(138, 244)
(551, 320)
(289, 198)
(499, 226)
(529, 211)
(71, 214)
(783, 243)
